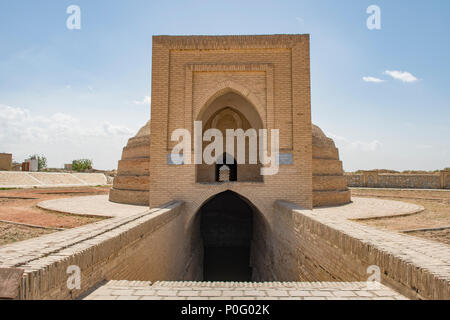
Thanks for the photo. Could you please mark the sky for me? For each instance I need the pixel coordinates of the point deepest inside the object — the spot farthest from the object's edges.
(382, 94)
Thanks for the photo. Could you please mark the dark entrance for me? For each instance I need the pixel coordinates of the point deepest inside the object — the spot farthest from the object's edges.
(230, 163)
(226, 228)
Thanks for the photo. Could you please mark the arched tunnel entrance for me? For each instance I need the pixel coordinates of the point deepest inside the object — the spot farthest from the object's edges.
(227, 223)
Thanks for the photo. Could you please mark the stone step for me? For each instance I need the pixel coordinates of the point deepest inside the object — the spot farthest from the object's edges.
(134, 197)
(319, 152)
(329, 183)
(139, 166)
(327, 167)
(141, 183)
(330, 198)
(187, 290)
(137, 141)
(140, 151)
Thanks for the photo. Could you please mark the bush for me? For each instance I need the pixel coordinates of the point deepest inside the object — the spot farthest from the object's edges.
(81, 165)
(42, 161)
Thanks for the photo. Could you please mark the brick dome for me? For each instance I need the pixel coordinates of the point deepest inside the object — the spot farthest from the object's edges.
(329, 183)
(132, 184)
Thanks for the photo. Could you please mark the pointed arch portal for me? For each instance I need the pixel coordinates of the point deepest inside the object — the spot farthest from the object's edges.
(226, 226)
(230, 110)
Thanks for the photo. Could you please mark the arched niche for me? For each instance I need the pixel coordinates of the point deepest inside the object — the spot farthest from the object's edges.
(230, 111)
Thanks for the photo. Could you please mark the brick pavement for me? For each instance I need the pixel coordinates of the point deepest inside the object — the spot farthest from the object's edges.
(190, 290)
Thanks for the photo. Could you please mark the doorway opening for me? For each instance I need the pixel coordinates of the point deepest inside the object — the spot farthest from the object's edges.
(227, 232)
(229, 162)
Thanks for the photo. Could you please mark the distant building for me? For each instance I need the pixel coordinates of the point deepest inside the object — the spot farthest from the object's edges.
(31, 165)
(5, 161)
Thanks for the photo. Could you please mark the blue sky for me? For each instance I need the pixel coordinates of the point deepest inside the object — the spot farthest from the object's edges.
(82, 93)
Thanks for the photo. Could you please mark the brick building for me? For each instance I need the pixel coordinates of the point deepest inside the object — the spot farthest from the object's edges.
(5, 161)
(231, 82)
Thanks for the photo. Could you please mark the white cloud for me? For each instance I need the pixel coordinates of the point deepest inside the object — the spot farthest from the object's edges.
(401, 75)
(357, 145)
(146, 101)
(61, 137)
(372, 79)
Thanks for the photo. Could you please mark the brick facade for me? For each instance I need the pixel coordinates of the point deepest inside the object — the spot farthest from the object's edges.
(189, 72)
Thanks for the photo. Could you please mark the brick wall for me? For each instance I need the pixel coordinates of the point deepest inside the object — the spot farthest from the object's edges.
(373, 179)
(149, 246)
(305, 246)
(5, 161)
(270, 72)
(165, 244)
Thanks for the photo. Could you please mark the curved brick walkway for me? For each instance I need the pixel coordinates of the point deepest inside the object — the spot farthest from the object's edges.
(189, 290)
(367, 208)
(360, 208)
(91, 205)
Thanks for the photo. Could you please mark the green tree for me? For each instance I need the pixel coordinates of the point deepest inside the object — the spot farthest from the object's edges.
(42, 161)
(81, 165)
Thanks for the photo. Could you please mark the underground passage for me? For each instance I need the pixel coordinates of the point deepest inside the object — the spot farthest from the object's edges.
(227, 230)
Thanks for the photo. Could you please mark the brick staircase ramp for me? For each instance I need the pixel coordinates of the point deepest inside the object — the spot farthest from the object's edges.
(10, 179)
(319, 250)
(191, 290)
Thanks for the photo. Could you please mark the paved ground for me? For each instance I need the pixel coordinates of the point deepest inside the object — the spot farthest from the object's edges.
(92, 205)
(435, 218)
(187, 290)
(367, 208)
(360, 207)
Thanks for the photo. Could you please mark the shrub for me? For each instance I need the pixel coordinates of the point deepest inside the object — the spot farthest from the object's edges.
(81, 165)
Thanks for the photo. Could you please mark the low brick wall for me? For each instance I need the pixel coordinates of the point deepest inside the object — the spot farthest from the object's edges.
(146, 246)
(307, 246)
(372, 179)
(164, 244)
(13, 179)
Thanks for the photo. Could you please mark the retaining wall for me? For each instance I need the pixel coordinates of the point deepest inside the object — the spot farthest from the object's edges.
(13, 179)
(307, 246)
(372, 179)
(299, 245)
(147, 246)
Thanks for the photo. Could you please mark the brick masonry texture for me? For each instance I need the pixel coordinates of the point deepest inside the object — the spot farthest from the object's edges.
(272, 73)
(332, 248)
(303, 246)
(372, 179)
(142, 246)
(189, 290)
(5, 161)
(132, 183)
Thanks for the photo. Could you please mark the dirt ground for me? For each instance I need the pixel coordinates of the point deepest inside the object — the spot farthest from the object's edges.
(10, 233)
(435, 215)
(19, 205)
